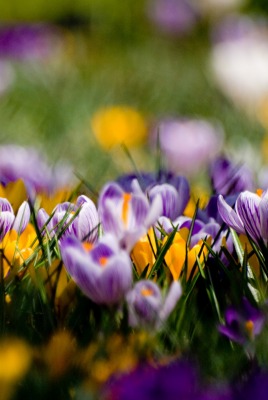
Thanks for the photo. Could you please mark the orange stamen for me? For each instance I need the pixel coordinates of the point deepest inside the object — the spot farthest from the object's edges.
(103, 261)
(259, 192)
(146, 292)
(249, 325)
(125, 208)
(87, 246)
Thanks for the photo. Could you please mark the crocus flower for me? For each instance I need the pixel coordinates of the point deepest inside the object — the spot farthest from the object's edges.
(119, 124)
(242, 325)
(28, 41)
(84, 225)
(104, 273)
(188, 145)
(174, 17)
(239, 61)
(172, 206)
(177, 380)
(149, 179)
(17, 162)
(9, 221)
(146, 305)
(249, 216)
(228, 178)
(127, 215)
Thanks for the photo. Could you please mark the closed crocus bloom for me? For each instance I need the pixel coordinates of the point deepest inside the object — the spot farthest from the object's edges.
(80, 219)
(147, 307)
(127, 215)
(104, 273)
(172, 206)
(9, 221)
(249, 216)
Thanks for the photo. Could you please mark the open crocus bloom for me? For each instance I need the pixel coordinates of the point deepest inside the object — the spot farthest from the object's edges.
(104, 273)
(249, 216)
(147, 307)
(127, 215)
(84, 225)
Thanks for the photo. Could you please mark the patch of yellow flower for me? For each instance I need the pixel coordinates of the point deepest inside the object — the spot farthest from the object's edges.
(16, 249)
(119, 124)
(178, 258)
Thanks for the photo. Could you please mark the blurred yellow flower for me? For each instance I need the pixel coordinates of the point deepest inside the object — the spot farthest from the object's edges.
(50, 201)
(15, 193)
(15, 361)
(119, 124)
(197, 193)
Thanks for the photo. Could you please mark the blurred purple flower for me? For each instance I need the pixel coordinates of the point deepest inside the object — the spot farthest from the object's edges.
(228, 178)
(188, 145)
(104, 273)
(243, 324)
(255, 387)
(28, 41)
(147, 307)
(9, 221)
(127, 215)
(175, 381)
(250, 215)
(26, 163)
(84, 225)
(174, 17)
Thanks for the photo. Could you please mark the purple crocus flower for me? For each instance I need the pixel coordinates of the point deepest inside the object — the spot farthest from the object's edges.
(174, 17)
(172, 207)
(188, 144)
(146, 306)
(28, 41)
(104, 273)
(28, 164)
(127, 215)
(242, 325)
(9, 221)
(228, 178)
(84, 225)
(177, 380)
(250, 215)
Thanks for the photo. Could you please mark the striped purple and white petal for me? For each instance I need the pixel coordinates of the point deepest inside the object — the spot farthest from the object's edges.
(22, 218)
(171, 206)
(44, 222)
(263, 208)
(230, 216)
(6, 222)
(247, 207)
(86, 224)
(7, 217)
(5, 205)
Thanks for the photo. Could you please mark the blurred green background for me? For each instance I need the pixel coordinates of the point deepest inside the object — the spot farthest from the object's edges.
(111, 54)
